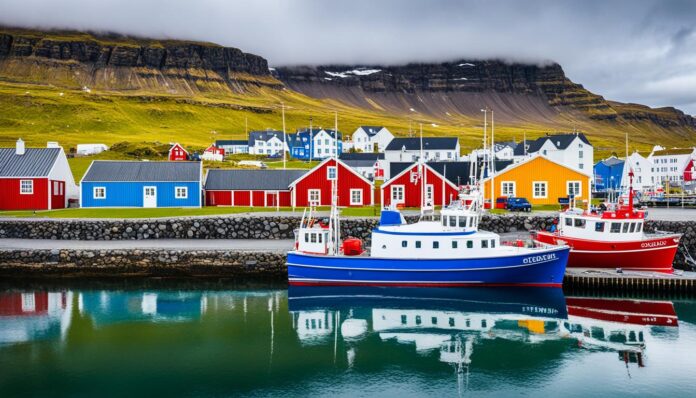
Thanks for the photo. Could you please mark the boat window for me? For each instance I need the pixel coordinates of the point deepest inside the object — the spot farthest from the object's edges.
(444, 221)
(418, 319)
(306, 237)
(453, 221)
(314, 238)
(569, 222)
(433, 320)
(640, 227)
(454, 244)
(436, 245)
(469, 244)
(404, 243)
(319, 238)
(462, 222)
(484, 323)
(418, 244)
(451, 322)
(403, 319)
(625, 227)
(468, 323)
(615, 227)
(633, 227)
(484, 244)
(492, 243)
(599, 227)
(580, 222)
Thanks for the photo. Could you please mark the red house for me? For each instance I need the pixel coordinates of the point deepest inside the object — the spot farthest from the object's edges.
(315, 186)
(250, 188)
(35, 178)
(404, 188)
(689, 174)
(177, 152)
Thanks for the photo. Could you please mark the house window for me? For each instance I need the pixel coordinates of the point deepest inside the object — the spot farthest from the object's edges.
(397, 194)
(181, 193)
(99, 193)
(26, 187)
(356, 197)
(540, 189)
(580, 155)
(507, 188)
(314, 196)
(331, 173)
(573, 188)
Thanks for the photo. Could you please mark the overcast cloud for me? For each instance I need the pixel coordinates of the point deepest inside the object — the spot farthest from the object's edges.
(627, 50)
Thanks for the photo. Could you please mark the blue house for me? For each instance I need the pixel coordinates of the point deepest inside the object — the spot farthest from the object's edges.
(316, 144)
(142, 184)
(608, 174)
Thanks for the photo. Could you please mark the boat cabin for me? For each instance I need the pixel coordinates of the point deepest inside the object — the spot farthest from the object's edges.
(609, 226)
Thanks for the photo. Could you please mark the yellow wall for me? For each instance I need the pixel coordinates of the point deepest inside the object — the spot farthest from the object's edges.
(540, 169)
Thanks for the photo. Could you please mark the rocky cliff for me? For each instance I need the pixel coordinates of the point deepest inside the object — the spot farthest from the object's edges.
(516, 91)
(118, 62)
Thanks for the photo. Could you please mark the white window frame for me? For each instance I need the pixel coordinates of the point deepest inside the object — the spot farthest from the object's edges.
(579, 193)
(176, 193)
(30, 187)
(502, 188)
(95, 190)
(359, 202)
(402, 189)
(328, 173)
(309, 196)
(546, 189)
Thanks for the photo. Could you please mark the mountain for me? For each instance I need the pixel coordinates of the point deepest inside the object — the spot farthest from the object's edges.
(78, 87)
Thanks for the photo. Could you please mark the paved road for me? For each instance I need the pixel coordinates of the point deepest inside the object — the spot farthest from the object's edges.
(173, 244)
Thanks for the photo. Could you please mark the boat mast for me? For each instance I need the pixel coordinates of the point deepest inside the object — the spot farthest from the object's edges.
(334, 193)
(285, 143)
(492, 164)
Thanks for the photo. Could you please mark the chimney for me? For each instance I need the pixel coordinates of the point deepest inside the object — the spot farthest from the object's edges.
(20, 147)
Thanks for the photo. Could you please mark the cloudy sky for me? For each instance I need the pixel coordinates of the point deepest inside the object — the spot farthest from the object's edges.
(640, 51)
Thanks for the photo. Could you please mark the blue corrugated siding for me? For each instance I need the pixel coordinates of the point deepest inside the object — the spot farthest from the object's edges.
(130, 194)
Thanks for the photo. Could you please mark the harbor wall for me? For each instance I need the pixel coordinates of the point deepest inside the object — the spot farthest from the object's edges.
(277, 227)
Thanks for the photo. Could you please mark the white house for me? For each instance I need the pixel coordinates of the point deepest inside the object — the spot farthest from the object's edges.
(572, 150)
(267, 142)
(502, 150)
(438, 149)
(643, 172)
(233, 147)
(669, 164)
(90, 149)
(371, 138)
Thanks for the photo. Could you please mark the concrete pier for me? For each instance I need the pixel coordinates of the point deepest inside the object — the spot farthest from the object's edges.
(586, 279)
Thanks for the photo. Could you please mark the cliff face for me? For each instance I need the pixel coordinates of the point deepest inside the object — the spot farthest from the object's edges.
(114, 62)
(516, 90)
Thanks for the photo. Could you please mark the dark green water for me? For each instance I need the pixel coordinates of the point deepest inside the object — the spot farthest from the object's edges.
(94, 340)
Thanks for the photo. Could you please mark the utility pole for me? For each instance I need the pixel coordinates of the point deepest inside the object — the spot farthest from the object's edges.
(284, 139)
(311, 140)
(492, 166)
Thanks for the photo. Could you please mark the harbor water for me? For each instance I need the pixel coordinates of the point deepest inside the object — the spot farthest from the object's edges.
(212, 340)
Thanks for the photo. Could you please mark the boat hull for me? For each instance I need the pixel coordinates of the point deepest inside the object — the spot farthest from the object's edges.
(652, 255)
(540, 268)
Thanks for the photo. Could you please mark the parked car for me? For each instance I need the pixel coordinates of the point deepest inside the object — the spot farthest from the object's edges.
(518, 204)
(501, 202)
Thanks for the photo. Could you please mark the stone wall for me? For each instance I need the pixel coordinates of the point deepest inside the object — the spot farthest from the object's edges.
(275, 227)
(150, 262)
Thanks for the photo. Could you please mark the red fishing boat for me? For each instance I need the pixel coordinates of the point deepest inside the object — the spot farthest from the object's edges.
(612, 238)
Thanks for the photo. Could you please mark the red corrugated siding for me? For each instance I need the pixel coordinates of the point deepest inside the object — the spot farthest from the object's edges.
(11, 199)
(258, 197)
(241, 198)
(11, 304)
(412, 192)
(218, 198)
(57, 194)
(317, 180)
(285, 199)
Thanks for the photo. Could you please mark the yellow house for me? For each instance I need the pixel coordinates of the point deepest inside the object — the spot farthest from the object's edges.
(541, 180)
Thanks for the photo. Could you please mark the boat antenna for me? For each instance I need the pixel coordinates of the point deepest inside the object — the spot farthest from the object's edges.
(492, 165)
(334, 199)
(421, 171)
(311, 139)
(285, 143)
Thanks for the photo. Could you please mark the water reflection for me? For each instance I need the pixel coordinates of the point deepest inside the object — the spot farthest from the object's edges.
(273, 341)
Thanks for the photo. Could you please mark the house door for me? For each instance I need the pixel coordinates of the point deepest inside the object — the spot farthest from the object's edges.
(271, 199)
(149, 196)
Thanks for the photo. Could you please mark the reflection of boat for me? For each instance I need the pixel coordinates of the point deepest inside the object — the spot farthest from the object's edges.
(26, 316)
(617, 324)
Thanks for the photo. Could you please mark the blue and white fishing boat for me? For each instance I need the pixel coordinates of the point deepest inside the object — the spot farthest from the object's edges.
(445, 249)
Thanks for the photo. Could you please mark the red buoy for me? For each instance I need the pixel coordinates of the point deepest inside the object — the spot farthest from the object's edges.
(352, 247)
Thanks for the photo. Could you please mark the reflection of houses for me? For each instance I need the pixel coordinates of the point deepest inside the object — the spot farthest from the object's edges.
(34, 315)
(107, 308)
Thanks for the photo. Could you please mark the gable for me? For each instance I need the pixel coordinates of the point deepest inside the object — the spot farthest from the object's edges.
(322, 166)
(36, 162)
(536, 167)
